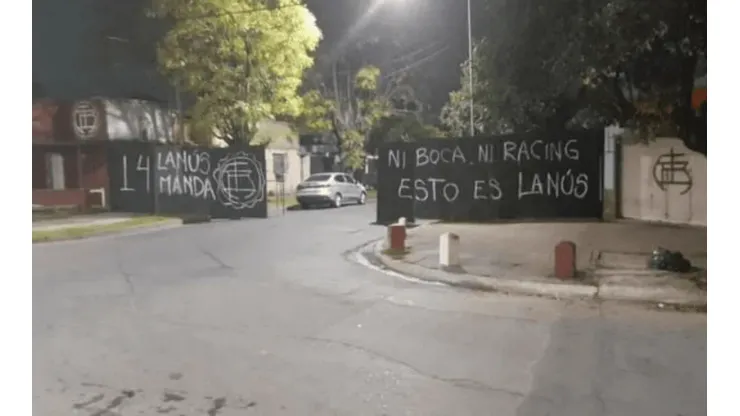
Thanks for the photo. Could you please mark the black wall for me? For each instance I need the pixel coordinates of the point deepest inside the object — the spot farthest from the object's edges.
(492, 178)
(130, 177)
(175, 180)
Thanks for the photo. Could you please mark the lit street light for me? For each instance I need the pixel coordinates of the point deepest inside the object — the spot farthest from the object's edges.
(470, 63)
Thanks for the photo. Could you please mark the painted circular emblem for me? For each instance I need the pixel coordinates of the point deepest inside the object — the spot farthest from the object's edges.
(85, 119)
(240, 181)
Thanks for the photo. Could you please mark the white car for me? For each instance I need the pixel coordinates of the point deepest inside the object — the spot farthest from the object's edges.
(330, 188)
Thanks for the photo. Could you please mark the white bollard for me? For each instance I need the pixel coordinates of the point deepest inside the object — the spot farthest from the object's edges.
(402, 221)
(449, 250)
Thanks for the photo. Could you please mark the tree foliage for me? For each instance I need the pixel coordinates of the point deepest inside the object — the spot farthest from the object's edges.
(126, 36)
(401, 128)
(243, 60)
(455, 116)
(351, 105)
(576, 63)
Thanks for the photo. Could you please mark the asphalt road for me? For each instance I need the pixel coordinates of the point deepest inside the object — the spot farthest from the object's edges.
(267, 317)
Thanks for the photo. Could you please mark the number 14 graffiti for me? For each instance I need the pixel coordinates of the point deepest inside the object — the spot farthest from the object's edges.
(142, 165)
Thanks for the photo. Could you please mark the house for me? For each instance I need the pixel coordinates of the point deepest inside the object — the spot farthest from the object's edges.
(283, 154)
(70, 140)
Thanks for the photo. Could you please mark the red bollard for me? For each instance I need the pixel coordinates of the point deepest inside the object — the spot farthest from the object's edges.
(565, 260)
(397, 237)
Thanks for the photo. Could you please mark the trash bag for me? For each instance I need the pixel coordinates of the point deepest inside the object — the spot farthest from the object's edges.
(674, 261)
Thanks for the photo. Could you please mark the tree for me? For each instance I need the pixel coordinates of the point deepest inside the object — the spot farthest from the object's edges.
(400, 128)
(353, 104)
(455, 115)
(126, 36)
(243, 60)
(601, 61)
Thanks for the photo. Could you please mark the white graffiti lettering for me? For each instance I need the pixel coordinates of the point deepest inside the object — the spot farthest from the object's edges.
(490, 189)
(430, 188)
(555, 184)
(534, 150)
(192, 185)
(184, 161)
(397, 159)
(425, 156)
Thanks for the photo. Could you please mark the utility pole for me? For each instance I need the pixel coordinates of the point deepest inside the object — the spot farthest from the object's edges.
(470, 70)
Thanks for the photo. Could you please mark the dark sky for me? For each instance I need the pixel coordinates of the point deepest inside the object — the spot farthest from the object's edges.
(432, 34)
(435, 29)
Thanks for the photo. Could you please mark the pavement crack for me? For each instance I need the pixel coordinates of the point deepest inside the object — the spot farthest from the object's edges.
(217, 260)
(126, 275)
(92, 400)
(115, 403)
(462, 383)
(218, 404)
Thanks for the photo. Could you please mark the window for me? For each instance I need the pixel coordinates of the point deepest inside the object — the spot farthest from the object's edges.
(55, 171)
(279, 165)
(321, 177)
(339, 178)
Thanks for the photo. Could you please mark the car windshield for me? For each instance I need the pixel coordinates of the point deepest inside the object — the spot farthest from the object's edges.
(319, 178)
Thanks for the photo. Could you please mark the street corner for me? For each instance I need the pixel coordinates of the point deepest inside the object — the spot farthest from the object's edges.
(630, 286)
(651, 286)
(458, 277)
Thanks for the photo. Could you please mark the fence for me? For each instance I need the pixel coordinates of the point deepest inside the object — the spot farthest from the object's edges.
(179, 180)
(492, 178)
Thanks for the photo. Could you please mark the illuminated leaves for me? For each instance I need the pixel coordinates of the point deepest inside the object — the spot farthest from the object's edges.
(244, 62)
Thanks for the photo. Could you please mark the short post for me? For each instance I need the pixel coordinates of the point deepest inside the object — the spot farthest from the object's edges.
(402, 221)
(397, 238)
(565, 260)
(449, 251)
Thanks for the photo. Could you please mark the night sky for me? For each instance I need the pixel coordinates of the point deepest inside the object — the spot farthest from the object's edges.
(430, 34)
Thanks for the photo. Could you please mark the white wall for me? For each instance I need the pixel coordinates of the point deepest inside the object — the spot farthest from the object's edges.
(642, 196)
(297, 169)
(135, 119)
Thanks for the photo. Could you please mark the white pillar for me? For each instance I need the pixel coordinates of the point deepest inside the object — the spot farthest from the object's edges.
(449, 250)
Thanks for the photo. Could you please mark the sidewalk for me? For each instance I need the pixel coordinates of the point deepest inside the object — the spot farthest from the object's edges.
(520, 258)
(80, 221)
(95, 225)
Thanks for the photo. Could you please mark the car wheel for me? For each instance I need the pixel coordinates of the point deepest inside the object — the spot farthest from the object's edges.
(305, 205)
(363, 198)
(337, 202)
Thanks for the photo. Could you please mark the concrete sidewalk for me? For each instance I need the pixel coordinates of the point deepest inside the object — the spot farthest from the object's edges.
(520, 258)
(98, 225)
(80, 221)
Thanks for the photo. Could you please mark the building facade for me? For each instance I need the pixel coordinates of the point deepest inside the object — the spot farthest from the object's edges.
(69, 139)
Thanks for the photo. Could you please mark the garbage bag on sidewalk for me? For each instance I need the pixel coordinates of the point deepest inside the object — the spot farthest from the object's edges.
(674, 261)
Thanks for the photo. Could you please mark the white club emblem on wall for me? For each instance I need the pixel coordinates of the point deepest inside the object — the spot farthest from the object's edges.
(85, 119)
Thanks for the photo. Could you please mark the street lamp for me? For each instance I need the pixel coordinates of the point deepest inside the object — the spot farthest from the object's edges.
(470, 64)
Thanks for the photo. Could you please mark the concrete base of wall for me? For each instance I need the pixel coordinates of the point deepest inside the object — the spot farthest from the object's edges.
(78, 198)
(610, 205)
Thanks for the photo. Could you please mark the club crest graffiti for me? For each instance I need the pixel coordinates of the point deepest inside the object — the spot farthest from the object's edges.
(85, 120)
(240, 181)
(221, 183)
(672, 169)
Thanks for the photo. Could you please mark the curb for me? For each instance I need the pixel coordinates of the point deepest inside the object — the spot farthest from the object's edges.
(155, 226)
(669, 296)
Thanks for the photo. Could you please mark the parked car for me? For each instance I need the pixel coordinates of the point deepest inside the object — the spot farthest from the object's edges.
(330, 188)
